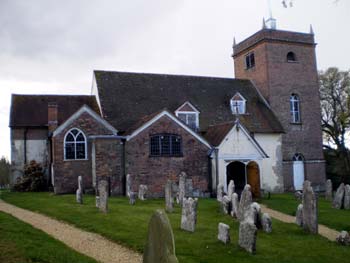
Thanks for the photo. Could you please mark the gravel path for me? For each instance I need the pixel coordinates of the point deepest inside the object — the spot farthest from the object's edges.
(327, 232)
(90, 244)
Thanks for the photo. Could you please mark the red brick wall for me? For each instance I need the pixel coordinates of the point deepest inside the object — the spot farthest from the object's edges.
(155, 171)
(66, 172)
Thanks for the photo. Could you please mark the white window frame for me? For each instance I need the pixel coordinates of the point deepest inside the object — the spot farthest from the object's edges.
(194, 112)
(236, 105)
(295, 111)
(75, 145)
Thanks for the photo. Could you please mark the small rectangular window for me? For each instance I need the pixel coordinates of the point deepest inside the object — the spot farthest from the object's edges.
(190, 119)
(250, 61)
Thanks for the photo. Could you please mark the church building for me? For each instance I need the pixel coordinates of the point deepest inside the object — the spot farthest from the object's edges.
(262, 127)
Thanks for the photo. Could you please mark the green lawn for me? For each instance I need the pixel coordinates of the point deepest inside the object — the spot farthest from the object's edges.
(19, 242)
(333, 218)
(128, 225)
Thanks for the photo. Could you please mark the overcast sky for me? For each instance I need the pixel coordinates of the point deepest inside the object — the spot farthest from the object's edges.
(53, 46)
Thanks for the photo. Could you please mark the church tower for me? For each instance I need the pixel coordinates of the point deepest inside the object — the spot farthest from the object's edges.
(282, 65)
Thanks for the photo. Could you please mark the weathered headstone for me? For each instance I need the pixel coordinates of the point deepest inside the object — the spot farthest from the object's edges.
(182, 187)
(347, 197)
(188, 187)
(266, 223)
(220, 192)
(169, 199)
(329, 190)
(310, 220)
(132, 198)
(160, 245)
(247, 236)
(299, 215)
(128, 185)
(230, 188)
(224, 233)
(103, 191)
(257, 214)
(225, 205)
(339, 197)
(245, 202)
(142, 191)
(343, 238)
(189, 214)
(234, 205)
(79, 193)
(298, 195)
(97, 201)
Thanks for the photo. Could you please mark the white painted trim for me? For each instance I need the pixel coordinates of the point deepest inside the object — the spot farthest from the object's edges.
(77, 114)
(244, 103)
(195, 111)
(190, 104)
(75, 142)
(166, 113)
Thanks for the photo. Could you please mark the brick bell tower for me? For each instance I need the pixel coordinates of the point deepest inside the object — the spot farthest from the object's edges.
(282, 65)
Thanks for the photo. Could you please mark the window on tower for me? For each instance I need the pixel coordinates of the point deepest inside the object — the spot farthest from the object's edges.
(295, 108)
(250, 60)
(291, 57)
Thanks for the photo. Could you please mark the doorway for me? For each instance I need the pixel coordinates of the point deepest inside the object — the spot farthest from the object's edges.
(236, 171)
(253, 178)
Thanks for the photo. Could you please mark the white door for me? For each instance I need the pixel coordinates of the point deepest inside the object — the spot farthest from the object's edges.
(298, 175)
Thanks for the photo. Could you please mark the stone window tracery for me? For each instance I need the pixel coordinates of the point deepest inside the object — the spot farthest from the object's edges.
(75, 145)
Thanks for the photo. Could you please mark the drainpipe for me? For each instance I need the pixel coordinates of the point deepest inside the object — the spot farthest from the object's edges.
(123, 160)
(217, 168)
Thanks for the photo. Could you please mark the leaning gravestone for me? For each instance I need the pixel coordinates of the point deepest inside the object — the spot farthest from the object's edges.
(225, 205)
(310, 220)
(299, 215)
(128, 184)
(189, 214)
(247, 236)
(245, 202)
(220, 192)
(79, 193)
(160, 245)
(230, 188)
(234, 205)
(347, 197)
(224, 233)
(169, 199)
(343, 238)
(142, 192)
(339, 197)
(329, 190)
(266, 223)
(103, 191)
(182, 187)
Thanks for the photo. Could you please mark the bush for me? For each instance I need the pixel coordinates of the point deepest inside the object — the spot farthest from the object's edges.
(33, 179)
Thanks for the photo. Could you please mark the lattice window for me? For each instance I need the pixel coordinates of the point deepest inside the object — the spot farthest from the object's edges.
(165, 145)
(295, 108)
(75, 145)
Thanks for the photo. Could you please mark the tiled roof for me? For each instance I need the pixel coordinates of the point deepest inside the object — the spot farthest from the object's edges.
(127, 97)
(216, 133)
(31, 110)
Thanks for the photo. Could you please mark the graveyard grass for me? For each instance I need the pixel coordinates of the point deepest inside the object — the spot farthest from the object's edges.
(19, 242)
(127, 225)
(337, 219)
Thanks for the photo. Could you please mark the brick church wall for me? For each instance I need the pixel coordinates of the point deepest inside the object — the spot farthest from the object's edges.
(155, 171)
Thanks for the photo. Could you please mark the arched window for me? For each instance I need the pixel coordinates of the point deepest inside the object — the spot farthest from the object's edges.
(291, 57)
(295, 108)
(75, 145)
(298, 157)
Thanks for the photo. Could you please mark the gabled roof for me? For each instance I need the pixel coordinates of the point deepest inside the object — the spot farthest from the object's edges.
(31, 110)
(77, 114)
(126, 97)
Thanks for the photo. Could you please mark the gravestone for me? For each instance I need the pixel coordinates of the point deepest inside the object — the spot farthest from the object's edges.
(128, 185)
(310, 220)
(142, 192)
(97, 201)
(103, 191)
(339, 197)
(266, 223)
(343, 238)
(169, 199)
(182, 187)
(230, 188)
(257, 214)
(220, 192)
(347, 197)
(79, 192)
(225, 205)
(245, 202)
(132, 198)
(299, 215)
(298, 195)
(329, 190)
(247, 236)
(224, 233)
(189, 214)
(234, 205)
(188, 187)
(160, 245)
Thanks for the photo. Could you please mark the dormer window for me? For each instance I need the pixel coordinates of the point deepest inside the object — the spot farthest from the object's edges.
(238, 104)
(189, 115)
(250, 60)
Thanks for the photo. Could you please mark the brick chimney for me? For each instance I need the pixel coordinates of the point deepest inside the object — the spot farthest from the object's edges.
(52, 116)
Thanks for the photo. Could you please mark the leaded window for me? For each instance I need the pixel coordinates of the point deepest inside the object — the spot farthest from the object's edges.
(165, 145)
(75, 145)
(238, 104)
(295, 108)
(190, 119)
